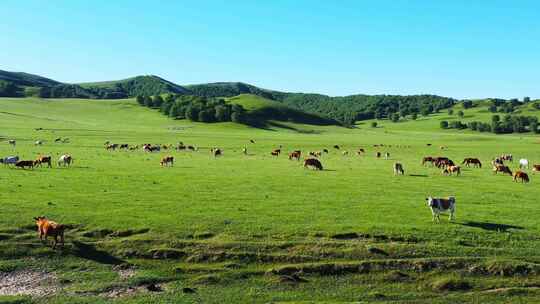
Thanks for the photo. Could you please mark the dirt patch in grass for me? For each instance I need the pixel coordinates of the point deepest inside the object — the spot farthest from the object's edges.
(28, 282)
(451, 284)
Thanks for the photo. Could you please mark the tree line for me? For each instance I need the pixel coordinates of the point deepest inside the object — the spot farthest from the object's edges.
(509, 124)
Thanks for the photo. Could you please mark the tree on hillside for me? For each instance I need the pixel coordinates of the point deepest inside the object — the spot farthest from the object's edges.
(192, 113)
(467, 104)
(8, 89)
(373, 124)
(461, 114)
(534, 127)
(495, 118)
(395, 117)
(157, 101)
(492, 108)
(223, 113)
(148, 101)
(444, 124)
(526, 99)
(414, 116)
(140, 99)
(450, 112)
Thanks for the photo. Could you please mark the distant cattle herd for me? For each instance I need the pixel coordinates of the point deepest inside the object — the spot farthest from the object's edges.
(312, 160)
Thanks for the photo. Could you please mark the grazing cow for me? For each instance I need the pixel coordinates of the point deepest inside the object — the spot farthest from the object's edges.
(9, 160)
(345, 153)
(441, 162)
(38, 143)
(443, 147)
(520, 175)
(378, 154)
(276, 152)
(313, 163)
(440, 205)
(361, 150)
(429, 145)
(450, 170)
(536, 168)
(523, 163)
(294, 155)
(252, 141)
(180, 146)
(48, 228)
(124, 146)
(65, 160)
(472, 161)
(216, 152)
(503, 169)
(167, 161)
(12, 142)
(427, 159)
(336, 147)
(43, 160)
(386, 155)
(192, 148)
(59, 139)
(111, 147)
(507, 157)
(65, 140)
(25, 163)
(398, 169)
(325, 151)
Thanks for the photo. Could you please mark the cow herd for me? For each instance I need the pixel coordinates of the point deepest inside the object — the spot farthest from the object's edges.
(311, 160)
(65, 160)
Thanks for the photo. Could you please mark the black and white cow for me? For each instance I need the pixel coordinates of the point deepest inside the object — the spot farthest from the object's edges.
(10, 160)
(441, 205)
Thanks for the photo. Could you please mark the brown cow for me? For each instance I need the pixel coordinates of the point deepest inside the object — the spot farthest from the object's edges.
(294, 155)
(167, 161)
(427, 159)
(276, 152)
(313, 163)
(43, 160)
(520, 175)
(502, 169)
(536, 168)
(25, 163)
(48, 228)
(472, 161)
(451, 170)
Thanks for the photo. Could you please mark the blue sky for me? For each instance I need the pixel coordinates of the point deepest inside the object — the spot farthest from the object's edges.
(463, 49)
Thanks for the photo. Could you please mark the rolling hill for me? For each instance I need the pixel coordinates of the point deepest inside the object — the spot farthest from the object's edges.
(344, 109)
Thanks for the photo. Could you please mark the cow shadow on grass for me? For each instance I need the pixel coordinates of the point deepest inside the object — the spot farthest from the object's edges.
(491, 226)
(89, 252)
(418, 175)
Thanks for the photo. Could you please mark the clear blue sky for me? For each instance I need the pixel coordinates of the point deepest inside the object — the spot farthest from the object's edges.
(463, 49)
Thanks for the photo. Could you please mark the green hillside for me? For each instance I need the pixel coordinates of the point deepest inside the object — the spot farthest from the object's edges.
(140, 85)
(262, 110)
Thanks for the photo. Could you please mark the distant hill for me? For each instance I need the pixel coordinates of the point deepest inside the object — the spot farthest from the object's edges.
(140, 85)
(228, 89)
(345, 109)
(25, 79)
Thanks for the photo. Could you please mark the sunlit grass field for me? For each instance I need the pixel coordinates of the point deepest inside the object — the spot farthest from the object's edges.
(252, 228)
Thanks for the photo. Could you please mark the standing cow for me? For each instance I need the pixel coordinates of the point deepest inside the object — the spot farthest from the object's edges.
(523, 163)
(9, 160)
(65, 160)
(398, 169)
(441, 205)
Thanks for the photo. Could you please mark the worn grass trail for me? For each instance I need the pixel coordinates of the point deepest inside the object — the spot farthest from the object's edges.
(239, 227)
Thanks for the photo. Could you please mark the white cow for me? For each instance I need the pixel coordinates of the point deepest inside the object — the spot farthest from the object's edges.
(440, 205)
(523, 163)
(65, 160)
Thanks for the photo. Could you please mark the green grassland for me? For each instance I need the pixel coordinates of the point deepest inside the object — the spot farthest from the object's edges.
(261, 229)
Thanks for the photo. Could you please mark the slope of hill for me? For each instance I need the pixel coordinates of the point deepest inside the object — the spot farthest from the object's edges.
(139, 85)
(25, 79)
(261, 110)
(228, 89)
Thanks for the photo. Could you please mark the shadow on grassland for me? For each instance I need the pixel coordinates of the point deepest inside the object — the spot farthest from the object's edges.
(491, 226)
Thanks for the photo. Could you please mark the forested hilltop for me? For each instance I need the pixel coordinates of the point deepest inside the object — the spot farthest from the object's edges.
(343, 109)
